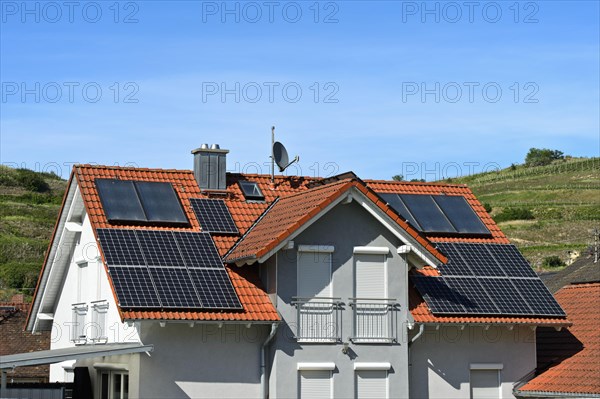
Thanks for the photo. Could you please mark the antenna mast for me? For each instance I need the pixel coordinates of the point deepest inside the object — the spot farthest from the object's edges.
(272, 155)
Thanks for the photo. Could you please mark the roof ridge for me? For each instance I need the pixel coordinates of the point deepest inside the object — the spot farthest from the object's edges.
(318, 188)
(125, 168)
(416, 183)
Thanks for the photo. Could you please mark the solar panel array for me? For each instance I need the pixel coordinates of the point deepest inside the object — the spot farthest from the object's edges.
(167, 269)
(486, 279)
(213, 215)
(140, 202)
(439, 214)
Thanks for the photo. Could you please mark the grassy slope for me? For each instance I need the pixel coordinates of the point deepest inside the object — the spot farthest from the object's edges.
(564, 198)
(27, 219)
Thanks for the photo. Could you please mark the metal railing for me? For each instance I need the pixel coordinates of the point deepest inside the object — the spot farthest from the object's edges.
(374, 319)
(318, 319)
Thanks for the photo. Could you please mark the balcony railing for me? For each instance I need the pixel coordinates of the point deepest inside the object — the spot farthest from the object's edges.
(318, 319)
(374, 319)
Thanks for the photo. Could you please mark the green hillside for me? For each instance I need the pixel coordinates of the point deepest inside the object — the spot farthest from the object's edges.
(544, 210)
(29, 205)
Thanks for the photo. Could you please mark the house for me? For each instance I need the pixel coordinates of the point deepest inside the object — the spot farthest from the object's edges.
(569, 360)
(202, 283)
(14, 340)
(583, 270)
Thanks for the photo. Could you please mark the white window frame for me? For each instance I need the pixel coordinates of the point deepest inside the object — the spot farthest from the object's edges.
(79, 314)
(98, 328)
(497, 367)
(111, 375)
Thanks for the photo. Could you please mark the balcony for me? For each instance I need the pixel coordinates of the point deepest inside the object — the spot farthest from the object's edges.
(318, 319)
(374, 320)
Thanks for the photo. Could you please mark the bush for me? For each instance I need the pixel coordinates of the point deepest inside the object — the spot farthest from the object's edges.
(543, 156)
(488, 208)
(19, 275)
(31, 181)
(553, 261)
(514, 214)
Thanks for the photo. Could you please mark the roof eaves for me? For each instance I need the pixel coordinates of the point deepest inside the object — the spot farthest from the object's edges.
(554, 394)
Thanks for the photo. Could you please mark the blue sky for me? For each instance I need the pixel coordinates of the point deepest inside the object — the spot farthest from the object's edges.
(428, 90)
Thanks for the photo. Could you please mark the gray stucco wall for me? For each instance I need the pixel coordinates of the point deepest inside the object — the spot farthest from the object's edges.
(441, 359)
(203, 361)
(344, 227)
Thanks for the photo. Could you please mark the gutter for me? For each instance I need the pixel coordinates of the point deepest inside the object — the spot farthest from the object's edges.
(264, 385)
(412, 341)
(550, 394)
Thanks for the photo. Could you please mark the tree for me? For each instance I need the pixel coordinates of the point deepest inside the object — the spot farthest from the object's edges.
(398, 177)
(542, 156)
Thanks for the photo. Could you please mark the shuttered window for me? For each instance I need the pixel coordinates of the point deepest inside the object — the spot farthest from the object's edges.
(370, 276)
(314, 274)
(485, 384)
(316, 384)
(371, 384)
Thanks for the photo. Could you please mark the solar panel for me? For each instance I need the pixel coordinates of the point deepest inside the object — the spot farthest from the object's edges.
(456, 265)
(511, 260)
(251, 190)
(160, 202)
(505, 296)
(427, 213)
(439, 297)
(480, 261)
(120, 247)
(460, 214)
(120, 200)
(215, 289)
(159, 248)
(213, 215)
(134, 287)
(396, 203)
(175, 288)
(472, 295)
(198, 249)
(538, 297)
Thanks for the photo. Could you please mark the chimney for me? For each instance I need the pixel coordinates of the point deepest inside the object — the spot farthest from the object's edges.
(210, 166)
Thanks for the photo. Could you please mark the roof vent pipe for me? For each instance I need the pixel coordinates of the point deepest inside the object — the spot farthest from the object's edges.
(210, 167)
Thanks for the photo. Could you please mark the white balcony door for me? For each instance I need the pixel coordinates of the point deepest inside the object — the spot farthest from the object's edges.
(371, 384)
(370, 285)
(316, 384)
(316, 317)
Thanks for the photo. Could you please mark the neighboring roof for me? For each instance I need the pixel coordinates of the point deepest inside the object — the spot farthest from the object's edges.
(421, 313)
(577, 367)
(399, 187)
(71, 353)
(583, 270)
(290, 213)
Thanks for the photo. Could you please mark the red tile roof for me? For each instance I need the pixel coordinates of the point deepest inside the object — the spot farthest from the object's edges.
(579, 373)
(290, 213)
(422, 314)
(398, 187)
(255, 301)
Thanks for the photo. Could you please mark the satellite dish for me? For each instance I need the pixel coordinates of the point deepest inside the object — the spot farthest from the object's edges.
(280, 155)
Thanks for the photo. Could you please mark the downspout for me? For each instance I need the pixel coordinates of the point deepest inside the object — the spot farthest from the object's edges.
(264, 386)
(412, 341)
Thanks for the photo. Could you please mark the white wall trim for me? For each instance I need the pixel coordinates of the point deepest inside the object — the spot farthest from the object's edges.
(316, 366)
(372, 250)
(372, 366)
(316, 248)
(486, 366)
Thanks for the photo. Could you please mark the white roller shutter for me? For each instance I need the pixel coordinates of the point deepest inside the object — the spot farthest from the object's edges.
(314, 274)
(371, 384)
(316, 384)
(485, 384)
(370, 276)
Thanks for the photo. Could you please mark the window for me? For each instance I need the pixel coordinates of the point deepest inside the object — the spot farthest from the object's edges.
(316, 384)
(114, 385)
(78, 323)
(485, 381)
(371, 384)
(316, 309)
(373, 310)
(251, 190)
(97, 330)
